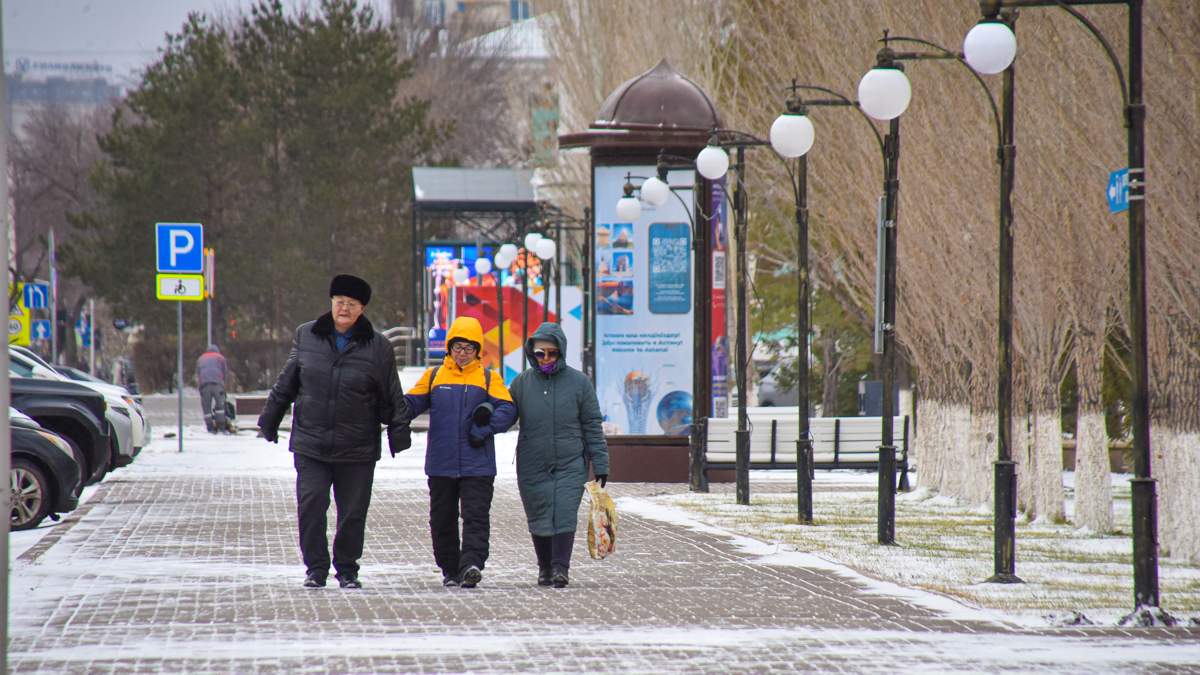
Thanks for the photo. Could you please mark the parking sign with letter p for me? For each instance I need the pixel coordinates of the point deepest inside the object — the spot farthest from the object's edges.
(179, 247)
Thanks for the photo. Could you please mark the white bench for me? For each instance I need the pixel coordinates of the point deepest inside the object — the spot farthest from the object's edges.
(837, 442)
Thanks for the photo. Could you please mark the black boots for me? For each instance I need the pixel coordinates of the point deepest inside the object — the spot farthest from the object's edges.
(471, 577)
(348, 581)
(544, 576)
(314, 581)
(558, 576)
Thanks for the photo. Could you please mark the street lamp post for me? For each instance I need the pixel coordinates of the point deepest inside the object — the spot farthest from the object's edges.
(792, 136)
(990, 49)
(1004, 510)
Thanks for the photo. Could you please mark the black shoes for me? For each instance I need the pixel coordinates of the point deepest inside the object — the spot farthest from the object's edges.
(544, 576)
(348, 581)
(559, 577)
(314, 581)
(471, 577)
(449, 581)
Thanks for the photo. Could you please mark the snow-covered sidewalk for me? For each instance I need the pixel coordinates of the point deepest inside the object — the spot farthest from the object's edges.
(187, 562)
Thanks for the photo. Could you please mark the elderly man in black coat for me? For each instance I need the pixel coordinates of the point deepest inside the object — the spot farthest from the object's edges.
(341, 375)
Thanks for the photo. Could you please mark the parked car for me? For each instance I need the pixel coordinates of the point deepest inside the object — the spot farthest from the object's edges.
(141, 423)
(72, 411)
(123, 413)
(44, 473)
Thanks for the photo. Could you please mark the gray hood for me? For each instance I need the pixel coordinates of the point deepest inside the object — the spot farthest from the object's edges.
(553, 333)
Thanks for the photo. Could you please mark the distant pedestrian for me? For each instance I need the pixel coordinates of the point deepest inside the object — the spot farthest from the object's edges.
(211, 371)
(560, 436)
(341, 374)
(467, 406)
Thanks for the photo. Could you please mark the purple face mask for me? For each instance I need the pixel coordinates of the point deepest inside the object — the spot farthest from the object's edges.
(548, 368)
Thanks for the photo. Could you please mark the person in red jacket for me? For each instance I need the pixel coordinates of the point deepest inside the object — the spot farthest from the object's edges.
(210, 377)
(467, 406)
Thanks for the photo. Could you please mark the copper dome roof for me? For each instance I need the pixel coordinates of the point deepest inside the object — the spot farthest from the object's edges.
(659, 98)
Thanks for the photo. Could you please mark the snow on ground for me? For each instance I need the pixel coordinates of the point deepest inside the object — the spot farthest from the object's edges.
(944, 547)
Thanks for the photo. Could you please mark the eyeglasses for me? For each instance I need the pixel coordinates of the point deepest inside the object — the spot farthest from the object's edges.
(347, 304)
(542, 354)
(462, 348)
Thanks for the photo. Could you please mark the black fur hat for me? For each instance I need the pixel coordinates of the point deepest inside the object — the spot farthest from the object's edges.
(351, 287)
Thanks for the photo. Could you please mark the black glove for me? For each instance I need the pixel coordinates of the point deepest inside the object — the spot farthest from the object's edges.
(272, 435)
(399, 438)
(477, 436)
(482, 414)
(603, 478)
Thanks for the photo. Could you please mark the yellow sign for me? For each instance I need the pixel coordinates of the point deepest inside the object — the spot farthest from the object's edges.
(18, 326)
(188, 287)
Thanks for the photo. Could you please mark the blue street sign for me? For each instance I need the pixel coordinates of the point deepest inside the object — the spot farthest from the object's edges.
(180, 247)
(40, 329)
(37, 296)
(1118, 190)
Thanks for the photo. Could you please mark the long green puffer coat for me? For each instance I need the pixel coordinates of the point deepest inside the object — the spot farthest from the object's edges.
(560, 434)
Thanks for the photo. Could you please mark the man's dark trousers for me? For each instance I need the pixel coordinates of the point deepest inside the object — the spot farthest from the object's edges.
(474, 493)
(351, 483)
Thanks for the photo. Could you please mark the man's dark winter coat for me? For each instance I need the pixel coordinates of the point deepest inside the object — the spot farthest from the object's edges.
(341, 397)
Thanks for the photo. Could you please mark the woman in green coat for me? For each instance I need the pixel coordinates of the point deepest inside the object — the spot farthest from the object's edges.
(560, 435)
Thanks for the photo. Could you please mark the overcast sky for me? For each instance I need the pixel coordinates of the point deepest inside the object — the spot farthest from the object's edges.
(121, 34)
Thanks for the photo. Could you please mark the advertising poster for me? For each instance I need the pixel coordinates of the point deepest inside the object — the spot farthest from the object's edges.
(441, 259)
(721, 355)
(488, 303)
(644, 301)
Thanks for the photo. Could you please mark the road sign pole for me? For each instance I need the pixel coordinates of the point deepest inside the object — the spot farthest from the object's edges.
(92, 337)
(5, 438)
(179, 368)
(53, 304)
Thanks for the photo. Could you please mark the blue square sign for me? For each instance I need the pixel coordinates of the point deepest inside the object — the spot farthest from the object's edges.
(37, 296)
(180, 247)
(1118, 191)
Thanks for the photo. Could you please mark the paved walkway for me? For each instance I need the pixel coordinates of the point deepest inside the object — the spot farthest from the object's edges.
(188, 563)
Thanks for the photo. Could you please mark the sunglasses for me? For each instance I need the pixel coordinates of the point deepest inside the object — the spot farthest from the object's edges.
(540, 354)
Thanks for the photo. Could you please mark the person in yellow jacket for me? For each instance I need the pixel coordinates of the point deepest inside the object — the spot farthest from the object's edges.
(467, 406)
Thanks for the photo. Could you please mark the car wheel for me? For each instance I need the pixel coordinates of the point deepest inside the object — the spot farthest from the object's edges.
(30, 492)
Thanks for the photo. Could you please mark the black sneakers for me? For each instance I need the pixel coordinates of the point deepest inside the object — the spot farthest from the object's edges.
(559, 577)
(544, 576)
(449, 581)
(348, 581)
(314, 581)
(471, 577)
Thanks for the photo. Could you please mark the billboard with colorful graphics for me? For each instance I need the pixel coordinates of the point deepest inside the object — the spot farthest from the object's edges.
(644, 298)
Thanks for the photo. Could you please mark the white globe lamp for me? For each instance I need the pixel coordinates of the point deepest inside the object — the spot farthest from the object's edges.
(483, 266)
(531, 240)
(461, 275)
(990, 47)
(629, 209)
(712, 162)
(545, 249)
(884, 93)
(792, 135)
(655, 192)
(508, 252)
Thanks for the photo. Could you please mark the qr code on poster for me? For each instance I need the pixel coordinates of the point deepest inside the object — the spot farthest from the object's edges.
(669, 255)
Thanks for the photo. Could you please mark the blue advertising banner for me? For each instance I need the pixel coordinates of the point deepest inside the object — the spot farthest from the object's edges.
(643, 309)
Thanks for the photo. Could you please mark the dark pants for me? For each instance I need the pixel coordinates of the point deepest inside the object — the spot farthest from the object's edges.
(473, 494)
(212, 401)
(554, 550)
(351, 483)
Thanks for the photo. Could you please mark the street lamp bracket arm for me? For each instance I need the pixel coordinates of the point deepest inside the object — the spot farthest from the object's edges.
(841, 100)
(944, 53)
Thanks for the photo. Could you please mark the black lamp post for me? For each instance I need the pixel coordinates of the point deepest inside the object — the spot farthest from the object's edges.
(792, 136)
(989, 49)
(1004, 511)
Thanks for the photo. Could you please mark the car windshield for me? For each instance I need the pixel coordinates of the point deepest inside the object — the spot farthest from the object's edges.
(19, 369)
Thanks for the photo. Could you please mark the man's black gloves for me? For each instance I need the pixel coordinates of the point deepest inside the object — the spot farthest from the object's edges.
(272, 435)
(399, 438)
(603, 478)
